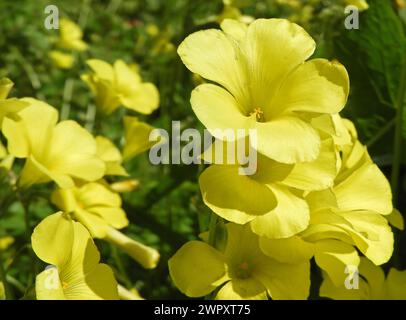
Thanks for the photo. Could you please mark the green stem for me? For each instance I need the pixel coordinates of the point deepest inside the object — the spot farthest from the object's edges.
(4, 280)
(398, 135)
(120, 267)
(213, 229)
(381, 132)
(67, 97)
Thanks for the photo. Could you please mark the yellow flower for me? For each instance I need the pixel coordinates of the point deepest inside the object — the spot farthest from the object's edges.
(136, 137)
(241, 270)
(6, 242)
(6, 160)
(109, 153)
(61, 60)
(264, 83)
(269, 199)
(70, 36)
(348, 216)
(74, 272)
(120, 85)
(60, 152)
(99, 209)
(371, 286)
(360, 4)
(232, 12)
(11, 106)
(125, 185)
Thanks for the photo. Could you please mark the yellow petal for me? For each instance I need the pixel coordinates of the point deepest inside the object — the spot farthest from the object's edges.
(395, 285)
(52, 239)
(396, 219)
(290, 216)
(102, 69)
(235, 197)
(366, 189)
(48, 285)
(242, 289)
(143, 99)
(318, 86)
(197, 258)
(291, 250)
(288, 140)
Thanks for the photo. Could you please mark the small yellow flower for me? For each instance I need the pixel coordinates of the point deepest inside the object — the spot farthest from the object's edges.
(125, 185)
(74, 272)
(62, 60)
(70, 36)
(241, 270)
(120, 85)
(10, 106)
(59, 152)
(99, 209)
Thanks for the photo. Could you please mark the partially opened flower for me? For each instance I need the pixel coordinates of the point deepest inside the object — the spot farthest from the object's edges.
(59, 152)
(265, 84)
(70, 36)
(110, 154)
(120, 85)
(270, 200)
(99, 209)
(241, 271)
(137, 137)
(10, 106)
(74, 272)
(372, 285)
(61, 60)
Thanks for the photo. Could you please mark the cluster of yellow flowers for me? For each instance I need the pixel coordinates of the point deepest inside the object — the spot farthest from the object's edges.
(316, 193)
(66, 153)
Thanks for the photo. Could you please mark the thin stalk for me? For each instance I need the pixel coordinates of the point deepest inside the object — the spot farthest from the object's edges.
(381, 132)
(4, 280)
(212, 229)
(120, 267)
(397, 155)
(67, 97)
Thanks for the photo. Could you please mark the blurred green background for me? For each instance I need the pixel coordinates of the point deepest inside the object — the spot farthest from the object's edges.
(166, 210)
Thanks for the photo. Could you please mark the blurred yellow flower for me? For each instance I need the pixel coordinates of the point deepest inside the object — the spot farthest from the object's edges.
(60, 152)
(372, 285)
(70, 36)
(10, 106)
(125, 185)
(99, 209)
(360, 4)
(109, 153)
(120, 85)
(267, 102)
(6, 242)
(61, 60)
(241, 270)
(74, 272)
(137, 137)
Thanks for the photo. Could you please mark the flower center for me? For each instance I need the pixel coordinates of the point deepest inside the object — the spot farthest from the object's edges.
(259, 114)
(243, 270)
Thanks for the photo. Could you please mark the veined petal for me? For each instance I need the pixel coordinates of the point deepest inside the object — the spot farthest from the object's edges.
(288, 140)
(284, 281)
(48, 285)
(337, 258)
(290, 250)
(318, 86)
(366, 189)
(290, 216)
(242, 289)
(218, 109)
(235, 29)
(197, 258)
(52, 239)
(318, 174)
(235, 197)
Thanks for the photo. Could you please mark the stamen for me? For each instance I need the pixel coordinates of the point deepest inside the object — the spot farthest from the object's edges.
(258, 114)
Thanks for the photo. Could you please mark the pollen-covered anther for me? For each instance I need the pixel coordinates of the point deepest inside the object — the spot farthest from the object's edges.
(259, 114)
